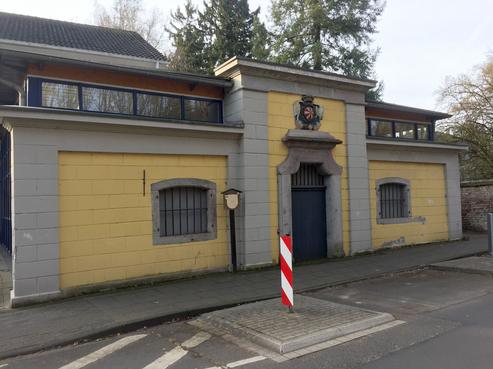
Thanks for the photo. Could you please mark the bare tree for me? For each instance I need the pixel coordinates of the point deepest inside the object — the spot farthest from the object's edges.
(131, 15)
(470, 99)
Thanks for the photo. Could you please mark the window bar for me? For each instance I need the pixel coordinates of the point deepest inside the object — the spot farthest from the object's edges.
(163, 220)
(172, 211)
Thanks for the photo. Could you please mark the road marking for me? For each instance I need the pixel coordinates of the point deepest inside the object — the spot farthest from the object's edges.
(178, 352)
(238, 363)
(245, 362)
(3, 365)
(196, 340)
(102, 352)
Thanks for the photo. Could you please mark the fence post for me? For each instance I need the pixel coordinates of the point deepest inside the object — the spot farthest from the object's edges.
(489, 218)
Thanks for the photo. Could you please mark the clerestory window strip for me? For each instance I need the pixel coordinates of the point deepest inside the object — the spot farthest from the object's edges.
(78, 96)
(400, 130)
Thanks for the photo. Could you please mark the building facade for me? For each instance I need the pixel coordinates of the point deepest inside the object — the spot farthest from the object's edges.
(113, 167)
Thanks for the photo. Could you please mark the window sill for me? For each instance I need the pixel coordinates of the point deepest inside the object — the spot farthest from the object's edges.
(421, 220)
(197, 237)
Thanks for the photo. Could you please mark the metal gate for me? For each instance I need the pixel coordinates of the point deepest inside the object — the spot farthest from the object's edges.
(308, 214)
(5, 191)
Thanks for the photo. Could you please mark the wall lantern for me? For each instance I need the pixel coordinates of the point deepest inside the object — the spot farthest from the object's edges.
(232, 201)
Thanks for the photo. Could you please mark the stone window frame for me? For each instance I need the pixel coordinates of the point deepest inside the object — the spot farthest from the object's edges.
(407, 203)
(211, 233)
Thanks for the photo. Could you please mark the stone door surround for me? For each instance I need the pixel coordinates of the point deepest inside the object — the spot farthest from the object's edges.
(312, 147)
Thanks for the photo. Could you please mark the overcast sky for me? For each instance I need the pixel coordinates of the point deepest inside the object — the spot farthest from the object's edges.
(421, 41)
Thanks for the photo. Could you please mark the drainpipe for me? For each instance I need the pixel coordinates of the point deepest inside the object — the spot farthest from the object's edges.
(18, 88)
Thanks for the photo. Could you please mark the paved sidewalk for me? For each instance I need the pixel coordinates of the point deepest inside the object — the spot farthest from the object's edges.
(30, 329)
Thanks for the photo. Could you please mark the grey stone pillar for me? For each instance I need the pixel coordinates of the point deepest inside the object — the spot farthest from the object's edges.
(359, 195)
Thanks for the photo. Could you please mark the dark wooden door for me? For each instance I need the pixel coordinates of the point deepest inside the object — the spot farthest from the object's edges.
(308, 214)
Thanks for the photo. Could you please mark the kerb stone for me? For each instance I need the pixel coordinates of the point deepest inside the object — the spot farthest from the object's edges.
(269, 324)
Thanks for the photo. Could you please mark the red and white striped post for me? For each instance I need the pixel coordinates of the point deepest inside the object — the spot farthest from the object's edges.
(287, 272)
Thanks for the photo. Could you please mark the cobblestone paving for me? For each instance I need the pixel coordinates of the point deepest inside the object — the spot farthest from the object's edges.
(473, 264)
(272, 319)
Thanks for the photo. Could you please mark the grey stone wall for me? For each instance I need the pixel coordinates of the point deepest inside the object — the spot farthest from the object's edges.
(35, 186)
(477, 201)
(357, 167)
(252, 177)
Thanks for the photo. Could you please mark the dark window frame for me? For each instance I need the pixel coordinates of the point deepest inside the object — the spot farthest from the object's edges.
(184, 98)
(34, 98)
(97, 87)
(40, 104)
(179, 97)
(157, 189)
(406, 216)
(431, 129)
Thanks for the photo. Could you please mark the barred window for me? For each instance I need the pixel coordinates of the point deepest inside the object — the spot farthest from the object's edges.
(184, 210)
(393, 199)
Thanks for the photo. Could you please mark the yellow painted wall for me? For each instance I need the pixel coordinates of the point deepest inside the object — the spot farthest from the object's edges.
(106, 222)
(280, 119)
(427, 200)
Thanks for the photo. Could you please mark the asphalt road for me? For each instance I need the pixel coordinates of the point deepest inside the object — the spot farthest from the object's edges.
(448, 324)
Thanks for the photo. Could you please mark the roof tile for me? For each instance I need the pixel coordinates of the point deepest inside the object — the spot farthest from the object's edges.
(75, 36)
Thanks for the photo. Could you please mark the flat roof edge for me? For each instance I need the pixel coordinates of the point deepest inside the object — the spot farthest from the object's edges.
(407, 109)
(238, 62)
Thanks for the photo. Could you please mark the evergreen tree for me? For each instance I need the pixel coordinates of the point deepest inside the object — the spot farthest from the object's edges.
(227, 25)
(225, 28)
(189, 41)
(331, 35)
(261, 38)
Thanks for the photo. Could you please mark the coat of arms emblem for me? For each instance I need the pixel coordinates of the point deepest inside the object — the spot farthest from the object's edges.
(307, 115)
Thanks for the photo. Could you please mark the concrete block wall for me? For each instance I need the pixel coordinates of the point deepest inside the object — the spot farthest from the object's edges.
(35, 188)
(477, 202)
(254, 226)
(35, 219)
